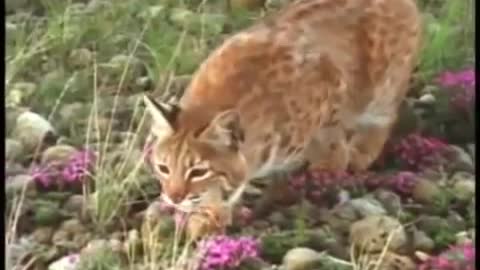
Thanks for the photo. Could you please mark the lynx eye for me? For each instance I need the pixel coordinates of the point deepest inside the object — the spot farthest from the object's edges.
(163, 169)
(197, 173)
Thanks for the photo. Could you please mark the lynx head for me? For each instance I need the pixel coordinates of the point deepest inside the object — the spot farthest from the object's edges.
(194, 150)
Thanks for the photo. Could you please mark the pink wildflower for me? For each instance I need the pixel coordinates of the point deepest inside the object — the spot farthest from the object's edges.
(403, 181)
(464, 79)
(418, 152)
(461, 87)
(44, 175)
(78, 167)
(461, 257)
(223, 252)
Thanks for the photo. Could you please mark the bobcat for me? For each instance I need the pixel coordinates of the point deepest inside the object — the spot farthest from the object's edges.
(319, 82)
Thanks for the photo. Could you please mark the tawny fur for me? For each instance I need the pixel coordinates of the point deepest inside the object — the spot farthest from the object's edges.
(321, 81)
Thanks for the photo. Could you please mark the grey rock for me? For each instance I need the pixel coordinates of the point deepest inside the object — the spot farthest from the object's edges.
(69, 262)
(471, 150)
(73, 226)
(340, 217)
(465, 237)
(16, 184)
(261, 224)
(278, 218)
(61, 238)
(463, 185)
(373, 232)
(427, 99)
(43, 235)
(301, 258)
(390, 200)
(69, 112)
(426, 191)
(455, 221)
(462, 161)
(18, 93)
(13, 169)
(143, 82)
(422, 242)
(82, 239)
(18, 249)
(58, 154)
(33, 130)
(429, 89)
(14, 150)
(94, 246)
(116, 245)
(432, 224)
(11, 116)
(367, 207)
(75, 205)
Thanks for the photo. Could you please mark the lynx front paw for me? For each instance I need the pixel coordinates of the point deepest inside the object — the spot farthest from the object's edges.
(206, 221)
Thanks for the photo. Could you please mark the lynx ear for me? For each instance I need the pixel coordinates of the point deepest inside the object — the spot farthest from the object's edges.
(163, 117)
(225, 130)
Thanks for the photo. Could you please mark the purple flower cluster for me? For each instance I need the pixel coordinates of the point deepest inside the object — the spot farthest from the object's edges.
(403, 182)
(418, 152)
(318, 183)
(318, 179)
(461, 257)
(78, 166)
(74, 170)
(461, 87)
(464, 79)
(223, 252)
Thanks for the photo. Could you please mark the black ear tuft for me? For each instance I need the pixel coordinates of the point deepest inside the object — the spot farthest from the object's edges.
(163, 115)
(168, 110)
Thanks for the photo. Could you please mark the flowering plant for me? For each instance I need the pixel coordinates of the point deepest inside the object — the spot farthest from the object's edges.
(224, 252)
(74, 170)
(460, 257)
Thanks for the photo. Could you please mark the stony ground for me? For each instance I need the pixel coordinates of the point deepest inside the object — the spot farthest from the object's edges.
(80, 196)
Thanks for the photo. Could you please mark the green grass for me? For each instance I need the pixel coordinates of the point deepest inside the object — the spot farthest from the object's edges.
(449, 37)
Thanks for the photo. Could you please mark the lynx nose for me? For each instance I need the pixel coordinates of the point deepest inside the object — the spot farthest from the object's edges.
(177, 194)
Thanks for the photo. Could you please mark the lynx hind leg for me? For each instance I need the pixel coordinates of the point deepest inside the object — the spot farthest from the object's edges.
(274, 188)
(366, 145)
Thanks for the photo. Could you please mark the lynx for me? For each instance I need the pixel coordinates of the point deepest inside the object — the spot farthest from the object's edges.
(318, 83)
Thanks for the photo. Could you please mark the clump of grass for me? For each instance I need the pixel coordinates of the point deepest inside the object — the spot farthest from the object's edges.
(449, 36)
(103, 259)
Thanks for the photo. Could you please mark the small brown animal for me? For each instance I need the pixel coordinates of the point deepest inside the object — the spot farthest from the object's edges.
(321, 81)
